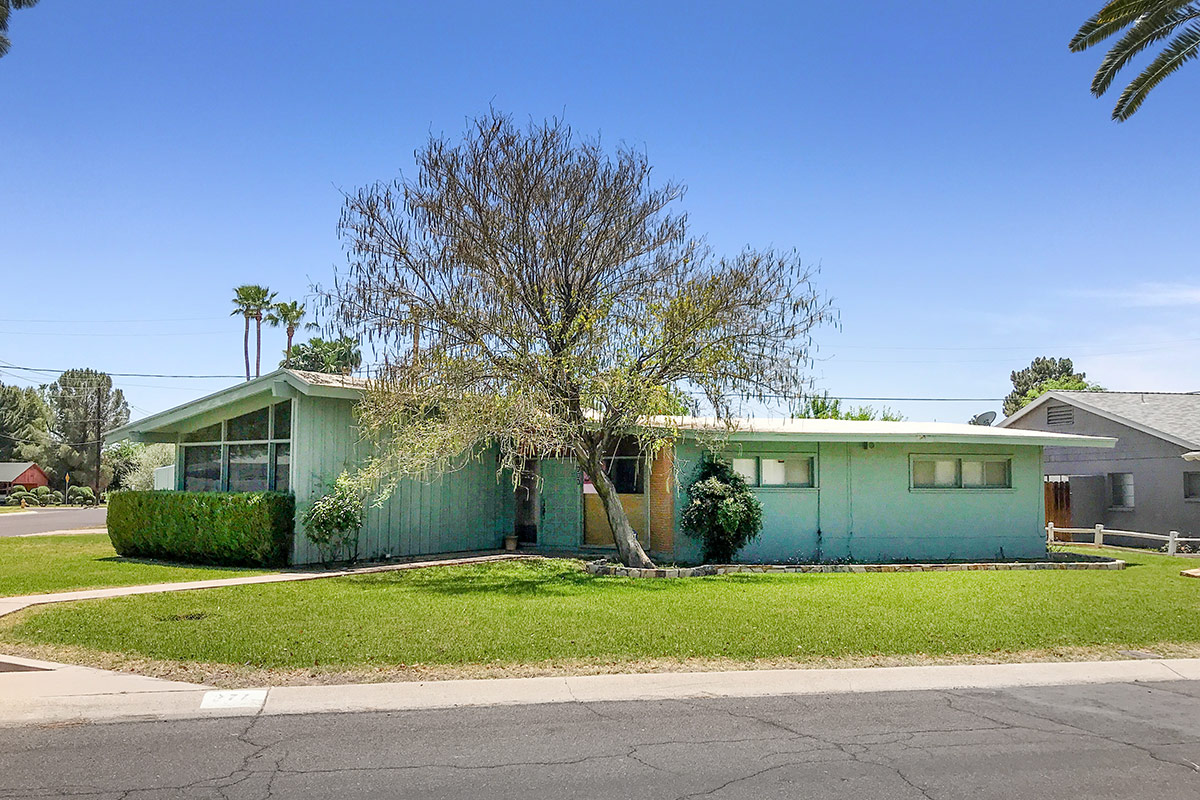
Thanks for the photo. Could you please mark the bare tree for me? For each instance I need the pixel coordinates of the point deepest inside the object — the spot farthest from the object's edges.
(560, 302)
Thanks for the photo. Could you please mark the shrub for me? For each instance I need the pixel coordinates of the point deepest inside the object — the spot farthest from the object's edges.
(246, 528)
(81, 495)
(333, 521)
(15, 499)
(722, 512)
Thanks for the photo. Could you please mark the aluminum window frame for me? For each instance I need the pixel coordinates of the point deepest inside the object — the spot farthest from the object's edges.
(959, 458)
(272, 440)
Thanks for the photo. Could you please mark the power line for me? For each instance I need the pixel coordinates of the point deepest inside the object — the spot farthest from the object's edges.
(119, 374)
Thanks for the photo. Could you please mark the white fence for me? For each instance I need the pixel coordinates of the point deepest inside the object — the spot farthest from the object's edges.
(1173, 539)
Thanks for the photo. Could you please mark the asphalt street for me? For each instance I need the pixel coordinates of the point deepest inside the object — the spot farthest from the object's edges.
(52, 519)
(1091, 741)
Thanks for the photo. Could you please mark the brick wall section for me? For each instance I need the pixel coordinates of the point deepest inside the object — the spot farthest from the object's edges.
(662, 501)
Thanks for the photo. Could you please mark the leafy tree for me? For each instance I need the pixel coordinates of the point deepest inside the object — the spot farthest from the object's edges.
(1143, 24)
(72, 399)
(289, 315)
(251, 302)
(825, 407)
(556, 293)
(133, 463)
(6, 9)
(1027, 383)
(1071, 383)
(722, 511)
(24, 425)
(337, 357)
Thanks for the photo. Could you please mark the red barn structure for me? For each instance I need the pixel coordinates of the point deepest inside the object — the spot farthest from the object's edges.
(20, 474)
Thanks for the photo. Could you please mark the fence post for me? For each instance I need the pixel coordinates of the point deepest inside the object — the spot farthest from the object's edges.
(1049, 533)
(1171, 543)
(1099, 539)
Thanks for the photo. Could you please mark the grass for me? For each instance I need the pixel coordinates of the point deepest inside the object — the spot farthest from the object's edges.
(38, 564)
(550, 612)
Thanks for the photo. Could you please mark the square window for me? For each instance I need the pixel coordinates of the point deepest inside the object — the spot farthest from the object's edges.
(1120, 489)
(774, 471)
(248, 468)
(939, 473)
(747, 468)
(800, 471)
(627, 474)
(202, 468)
(1191, 485)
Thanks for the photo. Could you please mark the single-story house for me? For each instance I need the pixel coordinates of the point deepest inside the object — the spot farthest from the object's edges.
(830, 489)
(20, 474)
(1146, 483)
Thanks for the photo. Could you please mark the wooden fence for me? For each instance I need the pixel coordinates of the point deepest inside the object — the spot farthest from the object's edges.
(1055, 534)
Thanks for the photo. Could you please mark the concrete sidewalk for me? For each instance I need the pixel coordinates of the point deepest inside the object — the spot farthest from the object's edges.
(62, 694)
(8, 605)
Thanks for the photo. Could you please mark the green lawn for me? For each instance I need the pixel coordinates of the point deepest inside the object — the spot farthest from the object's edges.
(542, 612)
(37, 564)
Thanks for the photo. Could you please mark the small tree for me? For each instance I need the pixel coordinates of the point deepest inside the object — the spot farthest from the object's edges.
(1042, 375)
(336, 357)
(822, 406)
(722, 512)
(333, 521)
(560, 302)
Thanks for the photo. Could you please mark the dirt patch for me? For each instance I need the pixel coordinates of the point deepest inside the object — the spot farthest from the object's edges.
(231, 676)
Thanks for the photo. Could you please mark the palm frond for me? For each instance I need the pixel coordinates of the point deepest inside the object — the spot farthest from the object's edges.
(1115, 16)
(4, 45)
(5, 13)
(1149, 29)
(1183, 48)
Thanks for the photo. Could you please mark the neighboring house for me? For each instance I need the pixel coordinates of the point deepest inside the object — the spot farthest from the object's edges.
(1143, 484)
(830, 489)
(20, 474)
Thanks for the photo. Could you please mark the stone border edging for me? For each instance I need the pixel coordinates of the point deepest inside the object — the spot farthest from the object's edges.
(606, 568)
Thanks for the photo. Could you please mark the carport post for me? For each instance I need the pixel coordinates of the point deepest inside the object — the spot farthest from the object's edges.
(1049, 533)
(1171, 543)
(1099, 540)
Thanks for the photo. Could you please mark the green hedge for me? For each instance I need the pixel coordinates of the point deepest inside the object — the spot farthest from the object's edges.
(203, 527)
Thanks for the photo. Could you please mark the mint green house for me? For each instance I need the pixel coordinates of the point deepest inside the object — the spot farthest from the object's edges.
(830, 489)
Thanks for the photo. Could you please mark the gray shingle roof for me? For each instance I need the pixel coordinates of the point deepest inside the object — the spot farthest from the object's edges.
(11, 470)
(1176, 415)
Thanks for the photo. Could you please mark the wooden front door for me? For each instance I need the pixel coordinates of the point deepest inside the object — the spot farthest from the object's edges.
(1058, 503)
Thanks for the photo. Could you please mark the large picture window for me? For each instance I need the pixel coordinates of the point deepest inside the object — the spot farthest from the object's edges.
(961, 472)
(247, 453)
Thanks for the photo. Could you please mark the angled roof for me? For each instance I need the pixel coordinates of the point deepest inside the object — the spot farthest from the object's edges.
(11, 470)
(280, 383)
(1172, 416)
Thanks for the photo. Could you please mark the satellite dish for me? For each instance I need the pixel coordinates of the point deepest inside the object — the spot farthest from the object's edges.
(986, 418)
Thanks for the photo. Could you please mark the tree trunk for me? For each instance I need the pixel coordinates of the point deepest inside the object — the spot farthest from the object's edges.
(287, 354)
(629, 550)
(246, 347)
(258, 345)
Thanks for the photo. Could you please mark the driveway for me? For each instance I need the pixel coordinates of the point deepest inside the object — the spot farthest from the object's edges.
(52, 519)
(1103, 740)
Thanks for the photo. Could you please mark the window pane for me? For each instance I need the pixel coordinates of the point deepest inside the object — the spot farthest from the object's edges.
(1191, 485)
(283, 420)
(210, 434)
(202, 469)
(283, 461)
(747, 468)
(995, 474)
(250, 426)
(935, 473)
(248, 468)
(774, 471)
(972, 473)
(626, 474)
(1122, 489)
(800, 472)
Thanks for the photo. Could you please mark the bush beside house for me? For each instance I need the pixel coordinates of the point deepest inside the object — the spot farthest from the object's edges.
(232, 528)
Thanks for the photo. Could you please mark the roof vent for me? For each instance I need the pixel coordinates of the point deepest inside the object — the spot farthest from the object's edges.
(1060, 415)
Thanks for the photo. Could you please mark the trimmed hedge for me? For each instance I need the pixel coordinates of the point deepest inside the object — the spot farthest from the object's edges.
(234, 528)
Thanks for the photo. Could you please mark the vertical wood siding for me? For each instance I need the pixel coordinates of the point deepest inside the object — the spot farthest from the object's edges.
(469, 509)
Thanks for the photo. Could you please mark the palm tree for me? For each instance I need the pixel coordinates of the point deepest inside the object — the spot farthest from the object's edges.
(289, 316)
(6, 9)
(250, 301)
(1145, 23)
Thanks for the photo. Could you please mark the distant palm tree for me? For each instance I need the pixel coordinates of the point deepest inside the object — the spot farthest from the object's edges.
(289, 316)
(250, 302)
(6, 9)
(1148, 22)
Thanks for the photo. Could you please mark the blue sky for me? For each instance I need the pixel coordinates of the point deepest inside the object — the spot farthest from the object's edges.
(970, 203)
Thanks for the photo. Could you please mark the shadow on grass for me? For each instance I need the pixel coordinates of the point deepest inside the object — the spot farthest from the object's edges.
(181, 564)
